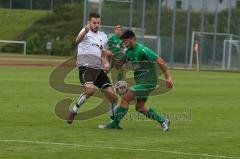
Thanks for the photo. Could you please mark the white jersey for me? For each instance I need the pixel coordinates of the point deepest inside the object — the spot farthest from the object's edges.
(90, 49)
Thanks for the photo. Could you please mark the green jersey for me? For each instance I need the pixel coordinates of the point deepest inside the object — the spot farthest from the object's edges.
(144, 64)
(115, 45)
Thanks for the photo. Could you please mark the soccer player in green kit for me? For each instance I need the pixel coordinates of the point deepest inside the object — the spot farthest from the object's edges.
(144, 63)
(115, 45)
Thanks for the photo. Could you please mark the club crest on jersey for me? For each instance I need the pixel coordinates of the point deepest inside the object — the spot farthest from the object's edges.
(99, 46)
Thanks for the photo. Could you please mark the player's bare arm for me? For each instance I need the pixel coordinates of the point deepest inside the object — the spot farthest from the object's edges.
(162, 64)
(106, 64)
(82, 34)
(118, 63)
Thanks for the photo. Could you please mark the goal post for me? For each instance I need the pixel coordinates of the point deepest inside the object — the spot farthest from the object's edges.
(228, 46)
(16, 42)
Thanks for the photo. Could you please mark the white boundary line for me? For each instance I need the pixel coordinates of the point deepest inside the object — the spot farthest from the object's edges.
(118, 148)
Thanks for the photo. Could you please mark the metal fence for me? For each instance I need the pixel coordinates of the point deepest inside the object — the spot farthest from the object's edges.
(167, 27)
(35, 4)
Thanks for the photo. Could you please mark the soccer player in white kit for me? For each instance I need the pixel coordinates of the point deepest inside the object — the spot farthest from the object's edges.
(92, 65)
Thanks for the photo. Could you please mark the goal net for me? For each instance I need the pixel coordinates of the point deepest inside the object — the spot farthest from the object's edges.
(218, 51)
(231, 55)
(11, 42)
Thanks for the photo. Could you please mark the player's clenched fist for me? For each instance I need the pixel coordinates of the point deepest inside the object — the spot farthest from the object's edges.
(87, 28)
(169, 83)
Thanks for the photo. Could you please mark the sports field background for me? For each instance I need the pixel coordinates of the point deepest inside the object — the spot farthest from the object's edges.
(30, 129)
(14, 22)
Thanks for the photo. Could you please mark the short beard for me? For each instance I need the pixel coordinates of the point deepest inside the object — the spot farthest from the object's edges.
(94, 30)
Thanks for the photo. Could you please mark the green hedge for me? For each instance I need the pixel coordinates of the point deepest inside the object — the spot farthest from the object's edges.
(60, 28)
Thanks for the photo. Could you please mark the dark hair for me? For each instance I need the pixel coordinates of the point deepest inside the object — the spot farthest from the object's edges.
(117, 26)
(128, 34)
(93, 15)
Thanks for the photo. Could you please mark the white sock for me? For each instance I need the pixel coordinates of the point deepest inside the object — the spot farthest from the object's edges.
(82, 98)
(112, 107)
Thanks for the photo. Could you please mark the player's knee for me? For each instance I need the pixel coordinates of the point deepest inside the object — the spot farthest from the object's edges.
(89, 91)
(140, 109)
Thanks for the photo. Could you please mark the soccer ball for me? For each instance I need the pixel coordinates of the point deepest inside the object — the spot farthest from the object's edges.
(121, 87)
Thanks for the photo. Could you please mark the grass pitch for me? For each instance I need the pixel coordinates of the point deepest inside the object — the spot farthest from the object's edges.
(15, 21)
(30, 129)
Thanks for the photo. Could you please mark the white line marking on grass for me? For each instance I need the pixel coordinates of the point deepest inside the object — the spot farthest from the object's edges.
(31, 59)
(118, 148)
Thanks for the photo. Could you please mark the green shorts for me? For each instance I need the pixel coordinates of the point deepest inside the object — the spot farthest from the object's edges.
(142, 91)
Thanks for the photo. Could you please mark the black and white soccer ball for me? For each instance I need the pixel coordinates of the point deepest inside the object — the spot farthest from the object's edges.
(121, 87)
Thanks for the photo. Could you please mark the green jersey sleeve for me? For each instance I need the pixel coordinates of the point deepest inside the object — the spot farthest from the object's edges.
(149, 54)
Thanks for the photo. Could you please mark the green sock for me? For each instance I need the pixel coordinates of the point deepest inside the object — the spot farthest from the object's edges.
(119, 114)
(155, 116)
